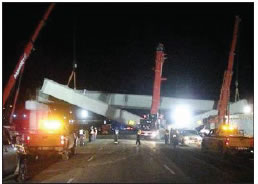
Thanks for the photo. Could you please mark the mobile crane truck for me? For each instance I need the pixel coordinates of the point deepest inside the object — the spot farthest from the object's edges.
(51, 134)
(150, 125)
(225, 138)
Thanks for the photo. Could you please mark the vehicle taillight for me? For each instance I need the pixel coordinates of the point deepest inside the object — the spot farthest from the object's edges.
(27, 139)
(252, 142)
(227, 141)
(62, 139)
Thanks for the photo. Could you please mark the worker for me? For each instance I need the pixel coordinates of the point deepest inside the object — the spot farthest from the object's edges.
(81, 137)
(174, 137)
(138, 137)
(166, 136)
(75, 135)
(90, 136)
(95, 133)
(92, 133)
(87, 137)
(116, 135)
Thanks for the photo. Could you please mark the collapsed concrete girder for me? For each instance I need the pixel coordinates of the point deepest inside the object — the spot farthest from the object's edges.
(62, 92)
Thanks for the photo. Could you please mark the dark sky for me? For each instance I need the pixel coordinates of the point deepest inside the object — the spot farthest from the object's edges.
(116, 46)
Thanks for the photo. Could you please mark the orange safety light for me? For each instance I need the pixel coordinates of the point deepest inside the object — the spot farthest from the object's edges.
(62, 139)
(51, 125)
(227, 141)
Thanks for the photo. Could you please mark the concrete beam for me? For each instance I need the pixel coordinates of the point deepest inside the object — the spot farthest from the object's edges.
(144, 101)
(62, 92)
(234, 108)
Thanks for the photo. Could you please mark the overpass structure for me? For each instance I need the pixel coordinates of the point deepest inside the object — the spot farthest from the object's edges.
(129, 101)
(235, 108)
(111, 105)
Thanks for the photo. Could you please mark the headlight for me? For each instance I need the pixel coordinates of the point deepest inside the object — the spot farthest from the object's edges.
(154, 134)
(186, 138)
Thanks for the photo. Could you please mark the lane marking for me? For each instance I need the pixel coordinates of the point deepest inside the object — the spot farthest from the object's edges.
(170, 170)
(70, 180)
(90, 158)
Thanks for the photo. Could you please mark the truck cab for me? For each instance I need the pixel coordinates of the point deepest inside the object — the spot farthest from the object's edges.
(53, 136)
(227, 140)
(46, 132)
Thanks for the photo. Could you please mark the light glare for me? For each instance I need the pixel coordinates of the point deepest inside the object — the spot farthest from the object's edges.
(84, 114)
(247, 109)
(182, 116)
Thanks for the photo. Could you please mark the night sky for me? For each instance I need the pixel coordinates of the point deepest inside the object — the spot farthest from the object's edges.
(115, 46)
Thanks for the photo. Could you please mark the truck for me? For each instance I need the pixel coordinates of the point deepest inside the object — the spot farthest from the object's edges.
(46, 132)
(228, 140)
(8, 116)
(106, 129)
(150, 125)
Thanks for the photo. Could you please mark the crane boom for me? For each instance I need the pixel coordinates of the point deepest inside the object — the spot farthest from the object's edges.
(225, 89)
(158, 78)
(23, 58)
(150, 125)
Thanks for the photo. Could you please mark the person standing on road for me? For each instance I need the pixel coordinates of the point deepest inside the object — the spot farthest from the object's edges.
(116, 136)
(166, 136)
(90, 135)
(81, 137)
(138, 137)
(95, 133)
(174, 137)
(87, 137)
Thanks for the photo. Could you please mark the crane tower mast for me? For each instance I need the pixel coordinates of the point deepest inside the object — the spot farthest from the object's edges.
(225, 89)
(160, 58)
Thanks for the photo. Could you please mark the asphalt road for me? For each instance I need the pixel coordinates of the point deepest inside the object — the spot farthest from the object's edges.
(103, 161)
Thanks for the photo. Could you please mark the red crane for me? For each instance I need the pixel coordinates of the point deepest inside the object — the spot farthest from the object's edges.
(18, 71)
(23, 58)
(225, 89)
(151, 124)
(160, 58)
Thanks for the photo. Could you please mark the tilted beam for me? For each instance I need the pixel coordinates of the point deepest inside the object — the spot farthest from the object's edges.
(62, 92)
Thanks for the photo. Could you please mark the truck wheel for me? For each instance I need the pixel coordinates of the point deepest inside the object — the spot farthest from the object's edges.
(226, 155)
(221, 148)
(203, 147)
(73, 150)
(23, 170)
(183, 142)
(65, 155)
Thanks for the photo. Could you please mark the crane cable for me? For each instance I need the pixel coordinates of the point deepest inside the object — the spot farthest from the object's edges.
(73, 74)
(74, 45)
(237, 68)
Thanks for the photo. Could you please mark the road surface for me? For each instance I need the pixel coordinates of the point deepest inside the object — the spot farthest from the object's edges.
(103, 161)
